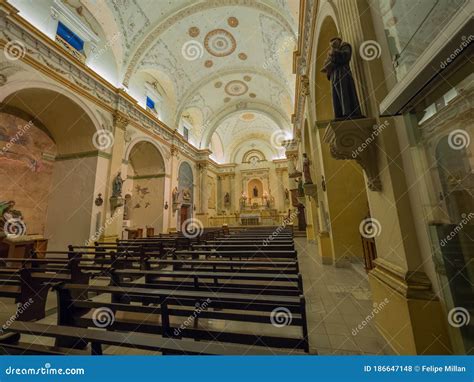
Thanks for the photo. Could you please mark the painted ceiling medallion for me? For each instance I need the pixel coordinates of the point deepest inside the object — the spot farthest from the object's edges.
(208, 63)
(252, 95)
(220, 43)
(236, 88)
(247, 117)
(193, 31)
(242, 56)
(218, 84)
(247, 78)
(233, 21)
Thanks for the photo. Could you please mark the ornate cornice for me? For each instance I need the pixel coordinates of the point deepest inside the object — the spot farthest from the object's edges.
(301, 57)
(51, 59)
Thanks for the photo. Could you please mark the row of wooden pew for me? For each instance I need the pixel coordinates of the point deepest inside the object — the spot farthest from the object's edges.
(233, 293)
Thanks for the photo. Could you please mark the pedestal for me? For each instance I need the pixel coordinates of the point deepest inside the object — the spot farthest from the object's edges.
(355, 139)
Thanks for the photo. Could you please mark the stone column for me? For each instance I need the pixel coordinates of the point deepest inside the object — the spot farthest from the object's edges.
(231, 192)
(203, 193)
(219, 201)
(113, 223)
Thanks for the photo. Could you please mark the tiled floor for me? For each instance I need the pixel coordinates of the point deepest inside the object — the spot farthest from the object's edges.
(337, 301)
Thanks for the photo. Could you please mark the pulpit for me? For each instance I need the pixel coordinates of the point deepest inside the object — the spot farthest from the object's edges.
(21, 246)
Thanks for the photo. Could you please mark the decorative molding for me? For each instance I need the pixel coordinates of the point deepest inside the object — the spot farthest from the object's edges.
(85, 154)
(121, 121)
(410, 284)
(52, 59)
(354, 139)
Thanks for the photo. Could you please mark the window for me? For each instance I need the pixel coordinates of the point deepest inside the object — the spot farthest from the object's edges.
(186, 133)
(150, 104)
(70, 37)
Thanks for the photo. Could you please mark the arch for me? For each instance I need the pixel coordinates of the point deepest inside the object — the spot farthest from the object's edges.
(146, 184)
(322, 107)
(160, 149)
(228, 111)
(67, 195)
(15, 86)
(253, 153)
(221, 73)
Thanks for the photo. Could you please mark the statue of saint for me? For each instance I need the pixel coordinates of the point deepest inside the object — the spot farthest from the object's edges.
(186, 194)
(255, 191)
(117, 186)
(226, 198)
(175, 195)
(306, 170)
(287, 194)
(344, 96)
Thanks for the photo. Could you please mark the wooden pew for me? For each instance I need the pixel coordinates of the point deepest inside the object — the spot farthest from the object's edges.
(229, 282)
(97, 339)
(163, 306)
(28, 291)
(233, 255)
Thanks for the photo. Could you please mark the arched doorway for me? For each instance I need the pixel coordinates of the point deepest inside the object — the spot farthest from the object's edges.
(145, 187)
(186, 192)
(50, 164)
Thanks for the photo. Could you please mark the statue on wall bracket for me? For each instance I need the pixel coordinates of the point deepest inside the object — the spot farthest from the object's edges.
(116, 199)
(344, 95)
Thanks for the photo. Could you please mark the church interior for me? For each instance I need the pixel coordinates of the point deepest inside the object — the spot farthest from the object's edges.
(236, 177)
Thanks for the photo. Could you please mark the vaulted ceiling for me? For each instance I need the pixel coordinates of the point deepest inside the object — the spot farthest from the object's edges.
(213, 62)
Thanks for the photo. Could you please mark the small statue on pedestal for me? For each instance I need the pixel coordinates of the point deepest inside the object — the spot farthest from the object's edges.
(186, 194)
(344, 96)
(175, 195)
(287, 194)
(306, 170)
(117, 186)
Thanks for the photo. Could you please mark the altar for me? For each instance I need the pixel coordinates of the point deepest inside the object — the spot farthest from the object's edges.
(250, 219)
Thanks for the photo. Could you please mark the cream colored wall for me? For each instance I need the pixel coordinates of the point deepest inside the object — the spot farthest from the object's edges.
(70, 203)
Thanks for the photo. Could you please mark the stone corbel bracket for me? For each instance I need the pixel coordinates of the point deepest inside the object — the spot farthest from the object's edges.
(311, 190)
(354, 139)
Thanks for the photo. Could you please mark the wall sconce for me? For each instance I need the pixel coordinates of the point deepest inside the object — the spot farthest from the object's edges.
(166, 205)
